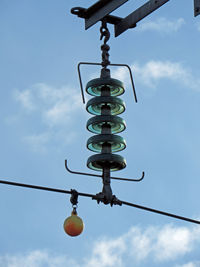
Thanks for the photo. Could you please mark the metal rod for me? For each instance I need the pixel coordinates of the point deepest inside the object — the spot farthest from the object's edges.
(80, 173)
(80, 80)
(100, 176)
(100, 64)
(160, 212)
(107, 191)
(131, 76)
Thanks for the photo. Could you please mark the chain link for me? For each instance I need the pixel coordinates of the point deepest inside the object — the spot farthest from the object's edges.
(105, 48)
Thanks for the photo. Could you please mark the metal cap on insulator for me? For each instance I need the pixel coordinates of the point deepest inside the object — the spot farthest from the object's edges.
(96, 104)
(105, 73)
(96, 123)
(94, 87)
(112, 161)
(96, 142)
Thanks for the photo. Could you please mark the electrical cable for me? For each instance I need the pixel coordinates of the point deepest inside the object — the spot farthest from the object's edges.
(57, 190)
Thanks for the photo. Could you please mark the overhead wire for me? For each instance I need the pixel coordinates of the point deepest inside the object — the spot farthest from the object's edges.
(57, 190)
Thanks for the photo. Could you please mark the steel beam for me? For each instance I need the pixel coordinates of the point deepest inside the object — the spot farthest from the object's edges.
(101, 9)
(196, 7)
(137, 15)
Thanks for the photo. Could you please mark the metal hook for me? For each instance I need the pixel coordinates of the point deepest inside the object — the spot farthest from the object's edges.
(104, 32)
(100, 64)
(100, 176)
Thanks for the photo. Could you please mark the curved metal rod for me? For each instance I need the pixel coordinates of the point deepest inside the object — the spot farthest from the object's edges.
(96, 175)
(131, 76)
(80, 173)
(100, 64)
(80, 81)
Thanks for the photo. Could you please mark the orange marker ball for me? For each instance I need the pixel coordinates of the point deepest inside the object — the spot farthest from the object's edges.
(73, 225)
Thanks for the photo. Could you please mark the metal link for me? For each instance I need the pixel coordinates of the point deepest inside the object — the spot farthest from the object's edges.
(74, 198)
(105, 48)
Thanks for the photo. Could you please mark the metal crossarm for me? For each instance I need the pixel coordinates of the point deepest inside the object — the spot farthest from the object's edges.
(196, 7)
(137, 15)
(100, 9)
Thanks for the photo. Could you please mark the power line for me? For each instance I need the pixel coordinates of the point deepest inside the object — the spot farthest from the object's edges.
(57, 190)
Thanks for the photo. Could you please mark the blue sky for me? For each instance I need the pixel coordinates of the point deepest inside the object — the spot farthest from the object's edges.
(43, 123)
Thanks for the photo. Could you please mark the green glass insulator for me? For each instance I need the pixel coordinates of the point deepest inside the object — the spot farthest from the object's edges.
(115, 123)
(94, 105)
(94, 87)
(99, 161)
(116, 142)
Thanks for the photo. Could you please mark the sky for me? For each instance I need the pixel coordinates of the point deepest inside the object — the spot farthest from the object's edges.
(43, 122)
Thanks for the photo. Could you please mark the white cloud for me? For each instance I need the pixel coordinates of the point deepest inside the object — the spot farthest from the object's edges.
(190, 264)
(163, 244)
(155, 245)
(36, 259)
(25, 98)
(55, 105)
(38, 142)
(173, 242)
(154, 71)
(107, 253)
(162, 25)
(54, 110)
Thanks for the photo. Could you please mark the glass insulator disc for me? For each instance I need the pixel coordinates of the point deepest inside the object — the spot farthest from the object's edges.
(115, 86)
(116, 142)
(113, 162)
(115, 123)
(95, 105)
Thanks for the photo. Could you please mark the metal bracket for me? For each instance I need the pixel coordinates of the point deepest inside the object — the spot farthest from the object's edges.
(100, 197)
(196, 7)
(100, 176)
(97, 11)
(106, 196)
(138, 15)
(101, 10)
(82, 13)
(100, 64)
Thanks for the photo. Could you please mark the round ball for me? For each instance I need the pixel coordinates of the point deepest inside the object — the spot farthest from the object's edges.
(73, 225)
